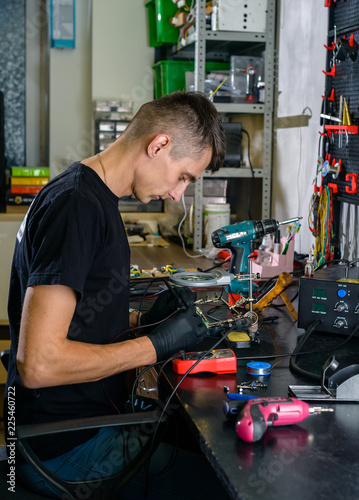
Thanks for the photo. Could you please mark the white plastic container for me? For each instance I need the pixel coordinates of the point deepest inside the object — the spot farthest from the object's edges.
(216, 215)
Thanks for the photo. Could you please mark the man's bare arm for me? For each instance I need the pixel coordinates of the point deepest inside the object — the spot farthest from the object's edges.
(47, 358)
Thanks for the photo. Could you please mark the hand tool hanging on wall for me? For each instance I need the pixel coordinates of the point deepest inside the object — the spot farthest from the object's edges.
(345, 49)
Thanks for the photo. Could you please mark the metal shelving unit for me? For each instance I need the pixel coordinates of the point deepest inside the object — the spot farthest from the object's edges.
(267, 39)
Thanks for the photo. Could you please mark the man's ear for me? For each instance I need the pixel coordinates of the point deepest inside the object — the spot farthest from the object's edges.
(158, 144)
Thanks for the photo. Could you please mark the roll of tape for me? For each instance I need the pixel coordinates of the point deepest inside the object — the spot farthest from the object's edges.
(259, 368)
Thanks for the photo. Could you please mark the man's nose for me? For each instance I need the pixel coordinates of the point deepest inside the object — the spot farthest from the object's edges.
(178, 191)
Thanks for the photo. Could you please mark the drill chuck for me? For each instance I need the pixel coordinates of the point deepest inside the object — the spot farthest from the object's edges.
(263, 227)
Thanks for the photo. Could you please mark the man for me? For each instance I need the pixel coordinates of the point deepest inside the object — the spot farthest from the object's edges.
(69, 290)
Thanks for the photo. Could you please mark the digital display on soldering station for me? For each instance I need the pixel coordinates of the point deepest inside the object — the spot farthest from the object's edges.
(318, 307)
(318, 292)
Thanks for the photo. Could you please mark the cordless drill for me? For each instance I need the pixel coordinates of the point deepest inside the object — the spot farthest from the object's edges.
(239, 237)
(258, 414)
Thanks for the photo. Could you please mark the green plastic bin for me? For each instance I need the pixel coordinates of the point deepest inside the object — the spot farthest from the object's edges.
(170, 75)
(160, 30)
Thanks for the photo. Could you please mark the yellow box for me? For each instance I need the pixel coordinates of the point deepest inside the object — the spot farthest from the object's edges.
(29, 181)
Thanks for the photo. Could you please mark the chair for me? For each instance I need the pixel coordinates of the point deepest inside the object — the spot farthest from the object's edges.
(96, 489)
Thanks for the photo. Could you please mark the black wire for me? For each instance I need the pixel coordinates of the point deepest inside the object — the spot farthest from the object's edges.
(349, 264)
(173, 456)
(139, 293)
(305, 373)
(134, 385)
(332, 261)
(212, 317)
(214, 308)
(292, 362)
(268, 319)
(288, 355)
(141, 301)
(284, 305)
(213, 267)
(251, 167)
(165, 279)
(269, 285)
(269, 281)
(145, 487)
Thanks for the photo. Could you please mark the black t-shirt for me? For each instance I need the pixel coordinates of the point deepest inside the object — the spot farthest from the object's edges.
(73, 235)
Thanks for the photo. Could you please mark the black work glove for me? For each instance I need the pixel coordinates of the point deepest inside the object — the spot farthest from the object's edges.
(166, 304)
(181, 332)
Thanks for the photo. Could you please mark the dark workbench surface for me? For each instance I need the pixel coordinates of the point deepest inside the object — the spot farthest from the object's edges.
(315, 459)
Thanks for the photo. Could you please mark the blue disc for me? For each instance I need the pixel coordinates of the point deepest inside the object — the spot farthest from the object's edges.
(258, 368)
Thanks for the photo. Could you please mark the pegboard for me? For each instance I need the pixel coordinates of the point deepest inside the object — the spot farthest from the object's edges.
(341, 145)
(343, 13)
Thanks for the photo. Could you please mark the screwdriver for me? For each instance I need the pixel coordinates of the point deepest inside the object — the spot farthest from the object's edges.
(258, 414)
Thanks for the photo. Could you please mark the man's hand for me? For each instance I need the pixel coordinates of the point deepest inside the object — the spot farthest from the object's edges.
(181, 332)
(167, 303)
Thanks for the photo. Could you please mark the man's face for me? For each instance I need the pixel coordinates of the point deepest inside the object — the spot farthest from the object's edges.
(168, 178)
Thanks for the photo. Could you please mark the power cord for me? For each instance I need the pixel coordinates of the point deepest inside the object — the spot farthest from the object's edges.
(179, 231)
(349, 264)
(252, 171)
(145, 487)
(296, 352)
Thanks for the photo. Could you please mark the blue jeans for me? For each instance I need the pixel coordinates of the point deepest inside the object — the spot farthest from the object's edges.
(105, 454)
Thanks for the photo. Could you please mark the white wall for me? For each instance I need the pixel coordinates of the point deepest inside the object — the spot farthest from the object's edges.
(111, 61)
(302, 33)
(70, 107)
(121, 60)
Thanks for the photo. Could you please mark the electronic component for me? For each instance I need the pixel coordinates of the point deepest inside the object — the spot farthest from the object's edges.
(216, 361)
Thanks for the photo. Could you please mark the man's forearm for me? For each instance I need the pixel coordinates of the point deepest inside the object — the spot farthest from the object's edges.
(46, 357)
(71, 362)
